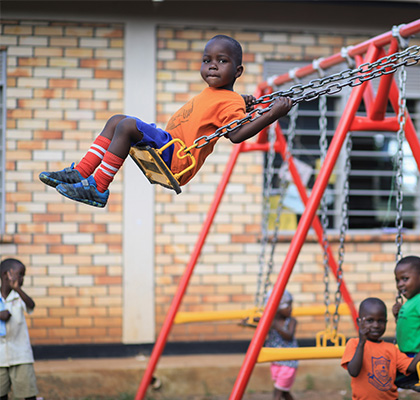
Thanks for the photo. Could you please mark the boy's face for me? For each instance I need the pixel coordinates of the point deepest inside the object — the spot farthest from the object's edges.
(373, 319)
(408, 280)
(219, 68)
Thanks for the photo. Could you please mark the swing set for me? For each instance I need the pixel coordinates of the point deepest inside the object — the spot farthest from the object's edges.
(372, 62)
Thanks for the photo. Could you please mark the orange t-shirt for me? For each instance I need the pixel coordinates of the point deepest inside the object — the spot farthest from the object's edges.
(381, 360)
(202, 115)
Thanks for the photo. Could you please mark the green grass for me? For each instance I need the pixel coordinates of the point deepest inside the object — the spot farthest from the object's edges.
(310, 383)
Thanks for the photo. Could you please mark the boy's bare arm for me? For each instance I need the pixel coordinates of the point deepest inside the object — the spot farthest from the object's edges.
(30, 304)
(396, 310)
(412, 367)
(249, 102)
(281, 107)
(14, 284)
(355, 365)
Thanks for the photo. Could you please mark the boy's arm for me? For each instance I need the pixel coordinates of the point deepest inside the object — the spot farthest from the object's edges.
(355, 365)
(14, 284)
(396, 310)
(249, 102)
(412, 367)
(281, 107)
(30, 304)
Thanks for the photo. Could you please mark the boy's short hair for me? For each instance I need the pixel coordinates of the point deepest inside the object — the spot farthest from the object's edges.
(8, 264)
(371, 301)
(414, 261)
(235, 45)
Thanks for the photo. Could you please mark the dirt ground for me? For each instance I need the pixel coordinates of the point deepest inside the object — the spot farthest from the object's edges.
(297, 395)
(155, 395)
(300, 395)
(209, 377)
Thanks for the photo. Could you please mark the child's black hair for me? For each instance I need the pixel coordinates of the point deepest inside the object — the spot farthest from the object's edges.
(8, 264)
(371, 301)
(414, 261)
(235, 45)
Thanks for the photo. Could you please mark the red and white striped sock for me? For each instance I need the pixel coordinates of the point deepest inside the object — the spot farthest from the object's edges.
(93, 157)
(104, 175)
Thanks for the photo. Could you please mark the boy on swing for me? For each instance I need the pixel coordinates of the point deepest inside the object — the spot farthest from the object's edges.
(216, 106)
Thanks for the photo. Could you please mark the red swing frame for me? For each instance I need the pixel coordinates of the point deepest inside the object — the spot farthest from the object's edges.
(375, 120)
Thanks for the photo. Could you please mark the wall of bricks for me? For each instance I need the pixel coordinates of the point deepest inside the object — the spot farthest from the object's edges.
(64, 81)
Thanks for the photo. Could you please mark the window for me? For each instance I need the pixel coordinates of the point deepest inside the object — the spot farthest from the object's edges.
(2, 139)
(372, 195)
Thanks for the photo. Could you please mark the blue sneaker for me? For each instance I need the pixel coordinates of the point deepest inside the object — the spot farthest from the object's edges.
(84, 192)
(67, 175)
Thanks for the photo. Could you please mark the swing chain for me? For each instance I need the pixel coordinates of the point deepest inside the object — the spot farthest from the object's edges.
(343, 230)
(291, 132)
(400, 159)
(268, 176)
(323, 143)
(365, 72)
(356, 77)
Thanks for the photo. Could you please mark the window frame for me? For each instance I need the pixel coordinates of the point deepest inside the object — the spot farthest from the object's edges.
(414, 218)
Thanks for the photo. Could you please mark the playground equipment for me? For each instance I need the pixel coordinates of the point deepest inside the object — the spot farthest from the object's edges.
(372, 63)
(252, 313)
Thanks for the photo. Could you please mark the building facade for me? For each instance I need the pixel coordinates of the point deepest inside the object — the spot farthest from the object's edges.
(109, 275)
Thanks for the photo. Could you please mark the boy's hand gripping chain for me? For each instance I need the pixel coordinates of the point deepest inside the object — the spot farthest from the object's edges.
(355, 77)
(352, 77)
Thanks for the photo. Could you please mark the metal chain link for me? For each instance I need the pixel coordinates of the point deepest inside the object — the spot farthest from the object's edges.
(343, 230)
(323, 144)
(400, 167)
(260, 296)
(291, 133)
(400, 159)
(268, 177)
(355, 77)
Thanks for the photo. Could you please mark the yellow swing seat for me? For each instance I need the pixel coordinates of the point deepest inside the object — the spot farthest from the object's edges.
(268, 354)
(150, 162)
(321, 351)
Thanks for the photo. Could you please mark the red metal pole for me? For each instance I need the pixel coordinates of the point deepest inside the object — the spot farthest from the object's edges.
(410, 130)
(378, 109)
(361, 48)
(299, 237)
(183, 284)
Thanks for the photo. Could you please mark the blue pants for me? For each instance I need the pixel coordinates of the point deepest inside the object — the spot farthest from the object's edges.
(156, 138)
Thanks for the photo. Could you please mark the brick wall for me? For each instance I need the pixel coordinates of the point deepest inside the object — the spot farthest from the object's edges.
(64, 81)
